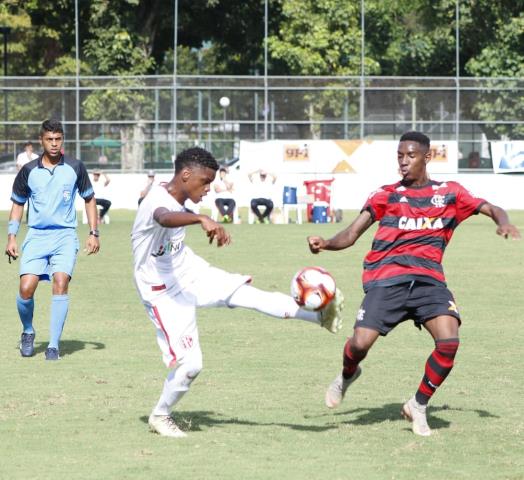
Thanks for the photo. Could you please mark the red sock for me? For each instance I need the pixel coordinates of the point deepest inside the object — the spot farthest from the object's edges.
(351, 360)
(438, 366)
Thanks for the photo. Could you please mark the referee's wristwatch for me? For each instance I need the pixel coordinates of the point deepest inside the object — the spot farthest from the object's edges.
(95, 233)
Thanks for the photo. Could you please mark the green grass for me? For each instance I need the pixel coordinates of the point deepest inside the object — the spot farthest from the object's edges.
(256, 411)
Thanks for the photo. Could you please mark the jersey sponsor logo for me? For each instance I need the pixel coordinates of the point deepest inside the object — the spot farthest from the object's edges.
(452, 307)
(438, 201)
(169, 247)
(186, 342)
(420, 223)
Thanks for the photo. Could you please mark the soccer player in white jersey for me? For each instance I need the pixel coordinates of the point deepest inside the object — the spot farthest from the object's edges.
(172, 280)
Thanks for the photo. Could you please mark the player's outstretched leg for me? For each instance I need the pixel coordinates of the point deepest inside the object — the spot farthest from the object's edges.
(416, 414)
(355, 350)
(280, 305)
(337, 389)
(331, 315)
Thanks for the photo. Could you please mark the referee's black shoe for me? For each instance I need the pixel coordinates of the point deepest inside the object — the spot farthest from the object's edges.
(27, 341)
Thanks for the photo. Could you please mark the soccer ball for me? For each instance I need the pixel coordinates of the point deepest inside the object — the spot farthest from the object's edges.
(313, 288)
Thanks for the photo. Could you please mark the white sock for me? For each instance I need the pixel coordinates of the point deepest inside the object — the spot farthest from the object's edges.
(275, 304)
(175, 387)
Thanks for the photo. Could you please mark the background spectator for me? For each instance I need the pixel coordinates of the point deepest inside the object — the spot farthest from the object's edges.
(26, 156)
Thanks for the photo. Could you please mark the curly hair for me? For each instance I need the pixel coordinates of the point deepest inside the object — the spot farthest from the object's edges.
(418, 137)
(52, 125)
(195, 156)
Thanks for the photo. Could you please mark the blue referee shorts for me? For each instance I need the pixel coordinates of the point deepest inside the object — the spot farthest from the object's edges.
(45, 252)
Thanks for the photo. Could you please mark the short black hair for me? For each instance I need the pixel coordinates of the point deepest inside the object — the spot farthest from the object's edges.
(195, 156)
(418, 137)
(28, 144)
(51, 125)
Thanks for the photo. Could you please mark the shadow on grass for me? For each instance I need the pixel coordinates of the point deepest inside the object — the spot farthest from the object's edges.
(69, 347)
(197, 421)
(391, 412)
(200, 420)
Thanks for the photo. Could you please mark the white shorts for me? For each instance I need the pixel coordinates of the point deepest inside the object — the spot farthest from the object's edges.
(174, 312)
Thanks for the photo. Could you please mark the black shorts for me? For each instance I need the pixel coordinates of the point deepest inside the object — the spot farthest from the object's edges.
(383, 308)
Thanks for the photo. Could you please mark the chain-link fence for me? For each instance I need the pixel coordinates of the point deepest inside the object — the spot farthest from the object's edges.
(138, 123)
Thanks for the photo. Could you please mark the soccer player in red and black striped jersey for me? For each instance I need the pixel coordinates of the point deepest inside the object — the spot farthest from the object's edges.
(403, 276)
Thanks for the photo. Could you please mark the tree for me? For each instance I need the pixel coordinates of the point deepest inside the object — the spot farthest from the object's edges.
(116, 47)
(503, 57)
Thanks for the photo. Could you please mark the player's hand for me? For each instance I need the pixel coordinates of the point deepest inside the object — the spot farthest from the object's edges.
(509, 230)
(11, 250)
(92, 245)
(316, 244)
(215, 231)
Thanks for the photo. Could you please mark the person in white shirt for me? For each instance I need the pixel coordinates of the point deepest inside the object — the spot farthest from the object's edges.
(100, 189)
(262, 186)
(172, 281)
(224, 200)
(26, 156)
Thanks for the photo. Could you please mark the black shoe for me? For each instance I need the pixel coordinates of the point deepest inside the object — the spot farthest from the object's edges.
(27, 341)
(52, 354)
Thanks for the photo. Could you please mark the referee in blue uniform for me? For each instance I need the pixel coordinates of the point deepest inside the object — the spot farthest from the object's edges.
(49, 184)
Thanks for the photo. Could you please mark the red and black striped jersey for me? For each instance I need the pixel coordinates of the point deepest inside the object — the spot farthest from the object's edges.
(415, 226)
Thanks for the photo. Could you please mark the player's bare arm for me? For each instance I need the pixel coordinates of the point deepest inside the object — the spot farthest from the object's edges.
(214, 230)
(500, 217)
(92, 242)
(15, 217)
(344, 239)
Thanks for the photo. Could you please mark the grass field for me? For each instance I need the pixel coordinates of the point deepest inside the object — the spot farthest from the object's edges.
(256, 411)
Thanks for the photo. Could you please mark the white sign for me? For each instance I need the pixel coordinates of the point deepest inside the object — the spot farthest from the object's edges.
(338, 156)
(508, 157)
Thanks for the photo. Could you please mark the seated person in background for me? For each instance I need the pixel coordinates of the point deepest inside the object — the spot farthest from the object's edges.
(149, 184)
(99, 186)
(263, 184)
(224, 195)
(474, 160)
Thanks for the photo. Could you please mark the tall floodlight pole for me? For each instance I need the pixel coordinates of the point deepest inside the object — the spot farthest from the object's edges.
(5, 31)
(362, 69)
(224, 103)
(457, 72)
(77, 83)
(175, 66)
(266, 99)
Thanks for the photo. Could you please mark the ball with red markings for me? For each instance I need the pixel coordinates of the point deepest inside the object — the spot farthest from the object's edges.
(313, 288)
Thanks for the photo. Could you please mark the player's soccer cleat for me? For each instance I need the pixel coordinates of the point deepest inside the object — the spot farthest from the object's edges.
(337, 389)
(330, 315)
(164, 425)
(416, 414)
(27, 341)
(52, 354)
(227, 219)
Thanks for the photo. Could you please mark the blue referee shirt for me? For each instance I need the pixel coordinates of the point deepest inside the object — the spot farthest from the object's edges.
(51, 193)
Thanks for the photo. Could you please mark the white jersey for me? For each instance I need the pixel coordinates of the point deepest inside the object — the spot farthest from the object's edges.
(224, 192)
(160, 254)
(24, 158)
